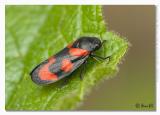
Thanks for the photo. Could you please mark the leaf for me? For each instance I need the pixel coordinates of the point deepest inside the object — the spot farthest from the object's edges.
(36, 33)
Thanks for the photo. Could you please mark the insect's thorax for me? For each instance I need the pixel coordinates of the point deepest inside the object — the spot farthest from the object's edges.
(87, 43)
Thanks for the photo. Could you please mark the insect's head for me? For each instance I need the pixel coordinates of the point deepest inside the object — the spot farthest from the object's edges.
(88, 43)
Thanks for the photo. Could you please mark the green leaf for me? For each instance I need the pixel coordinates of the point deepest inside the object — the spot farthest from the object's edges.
(34, 33)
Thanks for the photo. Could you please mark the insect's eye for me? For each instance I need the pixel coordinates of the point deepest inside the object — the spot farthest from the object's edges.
(96, 45)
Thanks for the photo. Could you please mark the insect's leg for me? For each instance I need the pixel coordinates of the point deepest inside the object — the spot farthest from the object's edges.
(83, 70)
(99, 57)
(63, 83)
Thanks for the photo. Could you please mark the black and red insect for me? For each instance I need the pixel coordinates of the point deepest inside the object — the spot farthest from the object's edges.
(66, 61)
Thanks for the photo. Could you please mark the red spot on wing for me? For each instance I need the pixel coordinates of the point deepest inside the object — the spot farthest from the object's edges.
(44, 72)
(78, 52)
(67, 65)
(69, 45)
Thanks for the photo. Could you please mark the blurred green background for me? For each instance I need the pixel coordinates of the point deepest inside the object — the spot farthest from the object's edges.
(134, 86)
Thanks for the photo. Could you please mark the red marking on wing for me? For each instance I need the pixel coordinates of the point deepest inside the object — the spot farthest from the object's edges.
(69, 45)
(67, 65)
(78, 52)
(44, 72)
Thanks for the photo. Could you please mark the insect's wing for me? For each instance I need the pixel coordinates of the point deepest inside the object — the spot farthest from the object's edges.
(68, 66)
(57, 67)
(41, 74)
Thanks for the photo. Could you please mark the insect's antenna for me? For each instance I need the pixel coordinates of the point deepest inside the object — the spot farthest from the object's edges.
(104, 41)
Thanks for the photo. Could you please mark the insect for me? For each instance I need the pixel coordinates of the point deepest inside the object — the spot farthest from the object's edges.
(67, 60)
